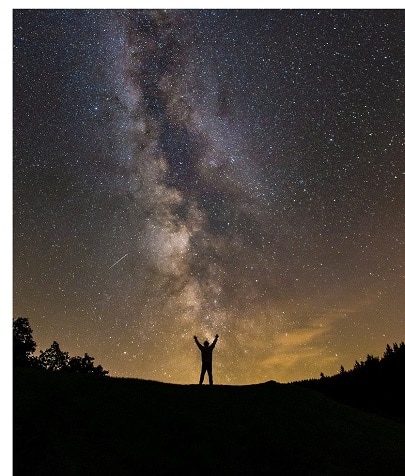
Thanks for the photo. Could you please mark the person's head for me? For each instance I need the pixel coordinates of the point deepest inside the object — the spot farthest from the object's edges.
(206, 343)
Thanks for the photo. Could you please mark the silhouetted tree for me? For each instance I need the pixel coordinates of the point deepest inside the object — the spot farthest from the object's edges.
(374, 384)
(53, 358)
(23, 343)
(393, 361)
(357, 365)
(85, 365)
(371, 362)
(388, 352)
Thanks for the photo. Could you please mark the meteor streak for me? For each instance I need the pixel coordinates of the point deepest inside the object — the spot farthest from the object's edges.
(118, 261)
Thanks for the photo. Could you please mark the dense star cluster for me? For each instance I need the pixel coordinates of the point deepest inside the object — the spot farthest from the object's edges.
(202, 172)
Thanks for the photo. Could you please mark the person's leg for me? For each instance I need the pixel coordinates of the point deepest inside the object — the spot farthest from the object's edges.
(209, 369)
(202, 374)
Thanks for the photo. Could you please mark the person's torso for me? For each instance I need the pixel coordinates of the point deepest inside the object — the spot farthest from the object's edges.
(206, 354)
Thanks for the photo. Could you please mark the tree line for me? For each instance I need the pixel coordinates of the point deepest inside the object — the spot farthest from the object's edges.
(375, 384)
(52, 359)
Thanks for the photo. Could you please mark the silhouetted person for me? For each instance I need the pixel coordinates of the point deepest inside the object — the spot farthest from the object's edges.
(206, 358)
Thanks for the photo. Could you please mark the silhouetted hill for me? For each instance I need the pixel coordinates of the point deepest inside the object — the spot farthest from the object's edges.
(82, 425)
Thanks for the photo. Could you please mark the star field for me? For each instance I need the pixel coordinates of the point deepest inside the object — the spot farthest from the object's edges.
(194, 172)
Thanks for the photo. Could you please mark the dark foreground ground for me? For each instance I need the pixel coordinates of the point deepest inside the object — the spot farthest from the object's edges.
(79, 425)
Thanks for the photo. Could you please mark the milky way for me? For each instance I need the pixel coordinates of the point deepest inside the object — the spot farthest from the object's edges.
(182, 172)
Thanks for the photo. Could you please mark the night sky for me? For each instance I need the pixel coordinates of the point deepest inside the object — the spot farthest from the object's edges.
(182, 172)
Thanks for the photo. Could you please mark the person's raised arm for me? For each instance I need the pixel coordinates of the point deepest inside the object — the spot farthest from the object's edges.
(215, 341)
(198, 344)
